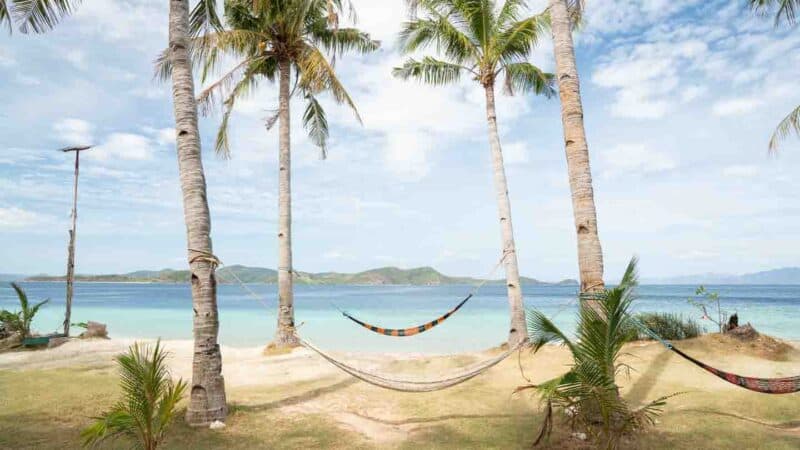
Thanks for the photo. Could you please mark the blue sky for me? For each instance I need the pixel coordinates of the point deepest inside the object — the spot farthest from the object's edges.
(680, 99)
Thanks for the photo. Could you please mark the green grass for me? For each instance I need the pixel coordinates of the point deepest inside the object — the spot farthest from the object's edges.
(46, 409)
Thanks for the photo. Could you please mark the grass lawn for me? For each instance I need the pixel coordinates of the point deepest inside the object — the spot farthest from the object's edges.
(47, 408)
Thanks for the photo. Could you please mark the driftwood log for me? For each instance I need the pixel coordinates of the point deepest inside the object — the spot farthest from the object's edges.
(95, 330)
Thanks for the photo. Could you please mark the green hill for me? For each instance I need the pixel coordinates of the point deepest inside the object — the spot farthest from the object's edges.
(420, 276)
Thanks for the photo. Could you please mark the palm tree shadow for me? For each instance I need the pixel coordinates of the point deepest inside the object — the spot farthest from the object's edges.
(422, 420)
(299, 398)
(792, 425)
(640, 390)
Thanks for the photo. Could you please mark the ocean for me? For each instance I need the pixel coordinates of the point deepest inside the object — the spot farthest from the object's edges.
(165, 310)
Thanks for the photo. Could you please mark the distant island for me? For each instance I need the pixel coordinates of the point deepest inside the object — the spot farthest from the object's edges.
(785, 275)
(421, 276)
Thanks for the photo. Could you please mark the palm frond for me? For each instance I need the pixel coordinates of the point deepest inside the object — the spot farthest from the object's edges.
(543, 331)
(316, 124)
(204, 19)
(429, 70)
(525, 77)
(343, 40)
(510, 12)
(790, 123)
(21, 295)
(317, 75)
(225, 84)
(243, 87)
(39, 15)
(575, 10)
(5, 16)
(443, 35)
(784, 9)
(519, 39)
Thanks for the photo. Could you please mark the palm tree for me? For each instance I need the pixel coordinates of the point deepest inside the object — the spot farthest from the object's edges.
(207, 400)
(34, 15)
(483, 41)
(588, 391)
(564, 14)
(270, 39)
(149, 400)
(785, 10)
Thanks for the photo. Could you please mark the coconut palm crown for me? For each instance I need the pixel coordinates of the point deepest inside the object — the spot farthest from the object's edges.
(262, 35)
(476, 38)
(35, 16)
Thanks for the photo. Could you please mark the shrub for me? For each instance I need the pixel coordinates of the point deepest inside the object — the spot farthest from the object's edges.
(20, 321)
(672, 327)
(588, 392)
(149, 400)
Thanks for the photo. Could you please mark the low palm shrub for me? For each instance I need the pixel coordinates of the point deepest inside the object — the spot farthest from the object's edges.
(20, 321)
(588, 392)
(148, 404)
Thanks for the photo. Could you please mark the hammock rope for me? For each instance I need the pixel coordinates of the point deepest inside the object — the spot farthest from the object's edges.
(411, 385)
(411, 331)
(784, 385)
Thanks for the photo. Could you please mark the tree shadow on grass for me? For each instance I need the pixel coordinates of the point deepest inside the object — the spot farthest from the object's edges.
(295, 399)
(641, 389)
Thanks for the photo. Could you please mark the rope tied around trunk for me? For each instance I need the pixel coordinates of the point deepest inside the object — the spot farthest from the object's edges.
(203, 255)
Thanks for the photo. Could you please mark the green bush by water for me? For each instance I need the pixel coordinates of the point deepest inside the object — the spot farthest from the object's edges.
(670, 326)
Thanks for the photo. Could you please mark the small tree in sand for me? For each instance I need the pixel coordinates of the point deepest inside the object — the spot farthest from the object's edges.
(20, 321)
(588, 392)
(148, 404)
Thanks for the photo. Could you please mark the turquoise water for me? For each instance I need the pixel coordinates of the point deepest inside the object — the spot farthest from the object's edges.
(164, 310)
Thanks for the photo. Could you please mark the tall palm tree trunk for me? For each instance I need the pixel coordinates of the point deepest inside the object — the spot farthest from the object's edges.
(517, 332)
(590, 254)
(207, 402)
(284, 335)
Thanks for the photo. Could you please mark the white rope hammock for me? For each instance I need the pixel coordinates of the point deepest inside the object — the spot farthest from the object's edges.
(409, 385)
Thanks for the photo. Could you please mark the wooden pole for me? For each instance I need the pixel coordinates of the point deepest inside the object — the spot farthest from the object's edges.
(71, 247)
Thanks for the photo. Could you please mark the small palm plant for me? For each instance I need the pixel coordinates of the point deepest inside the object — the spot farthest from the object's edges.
(148, 404)
(588, 392)
(21, 321)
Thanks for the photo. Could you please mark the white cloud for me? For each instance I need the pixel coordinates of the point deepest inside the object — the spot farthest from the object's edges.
(692, 93)
(740, 171)
(645, 76)
(27, 80)
(123, 146)
(166, 136)
(74, 131)
(634, 159)
(407, 155)
(735, 106)
(6, 58)
(14, 217)
(77, 58)
(515, 153)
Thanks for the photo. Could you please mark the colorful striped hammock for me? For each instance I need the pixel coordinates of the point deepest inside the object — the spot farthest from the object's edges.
(401, 332)
(785, 385)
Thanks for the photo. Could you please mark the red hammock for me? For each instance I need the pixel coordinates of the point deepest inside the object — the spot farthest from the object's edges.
(408, 331)
(786, 385)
